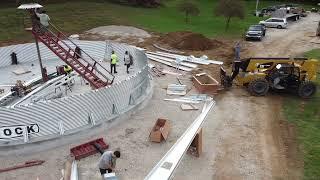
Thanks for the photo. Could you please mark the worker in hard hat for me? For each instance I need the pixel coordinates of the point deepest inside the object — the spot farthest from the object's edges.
(67, 69)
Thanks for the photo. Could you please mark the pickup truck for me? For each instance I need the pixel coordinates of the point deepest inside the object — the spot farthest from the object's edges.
(256, 32)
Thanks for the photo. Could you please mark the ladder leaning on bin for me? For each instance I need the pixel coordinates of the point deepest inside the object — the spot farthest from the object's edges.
(82, 63)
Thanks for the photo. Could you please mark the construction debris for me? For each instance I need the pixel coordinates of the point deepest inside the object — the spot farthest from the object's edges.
(26, 164)
(167, 50)
(74, 36)
(185, 63)
(192, 99)
(187, 107)
(170, 64)
(171, 73)
(202, 60)
(87, 149)
(177, 89)
(160, 130)
(180, 82)
(110, 176)
(183, 100)
(156, 70)
(173, 61)
(196, 97)
(20, 71)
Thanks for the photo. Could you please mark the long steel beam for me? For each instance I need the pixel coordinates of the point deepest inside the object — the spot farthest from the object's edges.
(167, 165)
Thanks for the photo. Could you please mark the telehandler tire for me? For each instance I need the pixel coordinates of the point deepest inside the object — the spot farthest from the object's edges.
(258, 87)
(307, 89)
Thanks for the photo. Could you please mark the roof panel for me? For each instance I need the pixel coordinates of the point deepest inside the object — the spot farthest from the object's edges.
(30, 6)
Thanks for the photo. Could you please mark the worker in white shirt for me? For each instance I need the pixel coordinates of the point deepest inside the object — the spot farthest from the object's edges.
(44, 18)
(107, 161)
(127, 61)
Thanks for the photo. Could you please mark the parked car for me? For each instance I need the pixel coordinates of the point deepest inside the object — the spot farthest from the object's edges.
(291, 6)
(256, 32)
(275, 22)
(314, 10)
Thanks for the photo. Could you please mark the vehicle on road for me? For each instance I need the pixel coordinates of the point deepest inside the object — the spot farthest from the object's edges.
(265, 11)
(314, 10)
(289, 7)
(256, 32)
(296, 75)
(279, 23)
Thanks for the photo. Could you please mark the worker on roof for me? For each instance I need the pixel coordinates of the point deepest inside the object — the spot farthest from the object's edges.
(114, 60)
(127, 60)
(107, 162)
(67, 69)
(44, 18)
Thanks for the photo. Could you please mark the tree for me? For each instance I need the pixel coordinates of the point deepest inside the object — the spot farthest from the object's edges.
(189, 8)
(230, 9)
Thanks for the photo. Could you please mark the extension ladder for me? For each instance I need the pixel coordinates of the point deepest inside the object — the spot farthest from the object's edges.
(80, 61)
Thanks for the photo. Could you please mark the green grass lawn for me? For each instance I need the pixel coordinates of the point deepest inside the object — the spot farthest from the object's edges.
(77, 16)
(306, 116)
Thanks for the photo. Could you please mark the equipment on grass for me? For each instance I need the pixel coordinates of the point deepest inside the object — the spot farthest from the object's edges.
(261, 74)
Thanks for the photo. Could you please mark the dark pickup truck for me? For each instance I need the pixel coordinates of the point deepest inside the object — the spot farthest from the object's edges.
(256, 32)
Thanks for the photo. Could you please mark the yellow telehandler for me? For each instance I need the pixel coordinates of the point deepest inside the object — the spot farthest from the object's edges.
(261, 74)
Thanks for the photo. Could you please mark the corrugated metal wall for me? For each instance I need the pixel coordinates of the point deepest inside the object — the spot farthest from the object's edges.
(28, 52)
(78, 111)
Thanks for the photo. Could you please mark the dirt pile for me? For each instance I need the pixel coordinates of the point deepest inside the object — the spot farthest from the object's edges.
(186, 40)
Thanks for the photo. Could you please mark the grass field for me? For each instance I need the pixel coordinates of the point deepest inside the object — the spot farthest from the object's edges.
(306, 116)
(77, 16)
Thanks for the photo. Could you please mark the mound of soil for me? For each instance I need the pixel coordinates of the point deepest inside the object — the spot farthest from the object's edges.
(186, 40)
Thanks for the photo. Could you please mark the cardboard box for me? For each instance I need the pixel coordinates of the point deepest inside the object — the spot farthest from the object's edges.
(160, 130)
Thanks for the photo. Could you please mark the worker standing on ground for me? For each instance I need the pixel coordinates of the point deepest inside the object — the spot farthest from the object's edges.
(67, 69)
(237, 50)
(114, 60)
(237, 61)
(107, 161)
(127, 61)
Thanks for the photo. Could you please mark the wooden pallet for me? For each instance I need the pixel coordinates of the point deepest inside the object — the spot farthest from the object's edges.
(88, 149)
